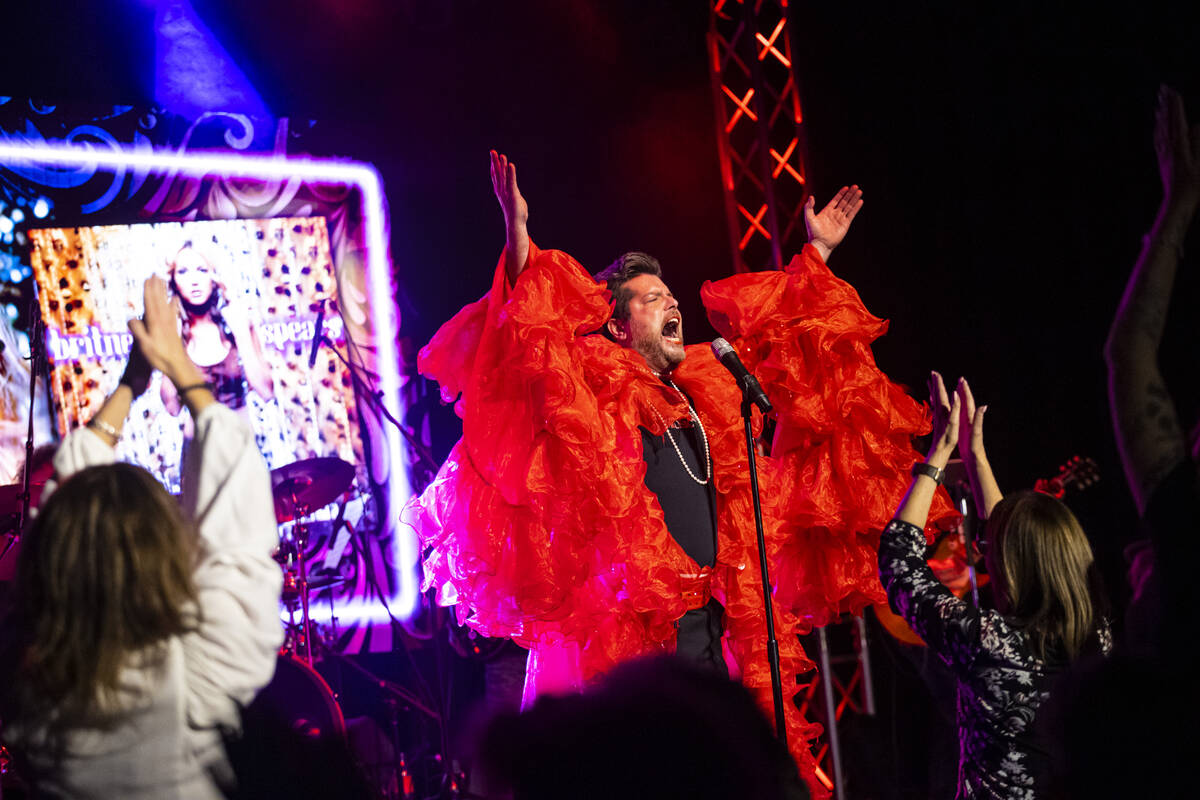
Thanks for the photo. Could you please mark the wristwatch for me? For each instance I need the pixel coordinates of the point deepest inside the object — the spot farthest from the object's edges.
(930, 471)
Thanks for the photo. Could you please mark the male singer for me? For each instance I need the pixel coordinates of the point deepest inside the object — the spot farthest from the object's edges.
(598, 506)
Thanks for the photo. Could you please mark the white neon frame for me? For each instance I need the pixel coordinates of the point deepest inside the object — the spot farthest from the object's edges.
(379, 276)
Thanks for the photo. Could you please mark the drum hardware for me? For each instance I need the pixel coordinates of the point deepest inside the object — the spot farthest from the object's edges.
(299, 489)
(397, 699)
(404, 698)
(291, 587)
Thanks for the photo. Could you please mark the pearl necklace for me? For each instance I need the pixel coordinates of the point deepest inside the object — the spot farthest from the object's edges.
(703, 437)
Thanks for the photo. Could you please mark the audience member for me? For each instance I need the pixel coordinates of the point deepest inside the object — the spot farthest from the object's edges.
(1161, 476)
(141, 626)
(660, 728)
(1118, 719)
(1048, 607)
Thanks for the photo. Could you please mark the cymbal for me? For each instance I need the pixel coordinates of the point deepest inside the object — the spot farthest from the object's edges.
(10, 497)
(304, 486)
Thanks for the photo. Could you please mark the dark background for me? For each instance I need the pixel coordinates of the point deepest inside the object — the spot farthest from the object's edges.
(1005, 154)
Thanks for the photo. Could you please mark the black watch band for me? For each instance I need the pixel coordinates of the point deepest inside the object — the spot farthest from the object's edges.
(929, 471)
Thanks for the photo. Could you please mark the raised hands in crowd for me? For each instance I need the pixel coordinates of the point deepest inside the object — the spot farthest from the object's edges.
(1145, 421)
(957, 424)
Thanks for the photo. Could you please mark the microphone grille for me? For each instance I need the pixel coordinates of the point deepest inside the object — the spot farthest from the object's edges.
(720, 347)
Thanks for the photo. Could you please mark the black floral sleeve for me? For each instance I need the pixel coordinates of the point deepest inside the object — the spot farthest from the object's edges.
(951, 627)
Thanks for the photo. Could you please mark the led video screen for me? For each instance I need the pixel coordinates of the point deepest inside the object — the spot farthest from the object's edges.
(248, 293)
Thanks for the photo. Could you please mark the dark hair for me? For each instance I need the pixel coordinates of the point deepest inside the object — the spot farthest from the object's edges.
(624, 736)
(1048, 577)
(620, 272)
(104, 572)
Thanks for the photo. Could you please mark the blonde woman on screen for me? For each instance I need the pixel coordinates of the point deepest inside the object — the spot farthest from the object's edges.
(218, 335)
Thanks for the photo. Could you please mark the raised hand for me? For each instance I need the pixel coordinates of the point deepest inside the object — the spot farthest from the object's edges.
(914, 508)
(1177, 147)
(970, 429)
(516, 213)
(157, 335)
(946, 413)
(984, 488)
(827, 228)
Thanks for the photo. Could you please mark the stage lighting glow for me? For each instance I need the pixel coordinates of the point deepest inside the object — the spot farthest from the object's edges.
(15, 275)
(349, 614)
(17, 215)
(6, 224)
(46, 155)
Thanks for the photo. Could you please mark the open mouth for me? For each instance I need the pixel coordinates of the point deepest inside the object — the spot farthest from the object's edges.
(671, 330)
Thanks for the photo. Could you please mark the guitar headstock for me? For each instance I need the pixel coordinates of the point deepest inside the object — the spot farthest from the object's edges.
(1078, 472)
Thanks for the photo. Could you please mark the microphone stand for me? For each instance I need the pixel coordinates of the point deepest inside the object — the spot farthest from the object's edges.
(376, 398)
(37, 365)
(772, 644)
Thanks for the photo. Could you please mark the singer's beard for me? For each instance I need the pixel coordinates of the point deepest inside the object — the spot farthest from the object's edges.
(661, 356)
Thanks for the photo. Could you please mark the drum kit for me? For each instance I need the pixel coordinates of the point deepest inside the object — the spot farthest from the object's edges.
(299, 489)
(298, 693)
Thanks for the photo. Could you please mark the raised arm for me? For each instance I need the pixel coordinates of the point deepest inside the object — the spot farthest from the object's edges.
(94, 445)
(827, 228)
(1145, 421)
(948, 625)
(227, 492)
(516, 215)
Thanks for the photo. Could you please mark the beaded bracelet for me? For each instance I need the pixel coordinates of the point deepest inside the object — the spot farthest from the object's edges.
(181, 391)
(104, 427)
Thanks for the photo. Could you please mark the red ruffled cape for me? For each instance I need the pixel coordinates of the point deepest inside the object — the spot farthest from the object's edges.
(540, 527)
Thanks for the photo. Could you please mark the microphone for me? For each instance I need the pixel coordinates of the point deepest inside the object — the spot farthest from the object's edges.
(318, 332)
(751, 390)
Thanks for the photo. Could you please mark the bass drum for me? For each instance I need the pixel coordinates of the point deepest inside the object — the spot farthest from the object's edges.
(299, 698)
(293, 741)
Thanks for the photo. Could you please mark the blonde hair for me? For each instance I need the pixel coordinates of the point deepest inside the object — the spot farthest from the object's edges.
(105, 572)
(1047, 579)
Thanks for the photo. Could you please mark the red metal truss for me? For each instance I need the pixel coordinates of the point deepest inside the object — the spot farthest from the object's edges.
(759, 131)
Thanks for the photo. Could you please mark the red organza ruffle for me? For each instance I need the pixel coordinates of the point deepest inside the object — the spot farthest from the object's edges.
(843, 443)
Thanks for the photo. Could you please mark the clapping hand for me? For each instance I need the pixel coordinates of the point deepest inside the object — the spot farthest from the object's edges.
(970, 430)
(946, 418)
(157, 335)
